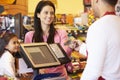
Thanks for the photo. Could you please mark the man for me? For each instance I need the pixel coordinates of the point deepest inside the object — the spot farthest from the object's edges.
(103, 43)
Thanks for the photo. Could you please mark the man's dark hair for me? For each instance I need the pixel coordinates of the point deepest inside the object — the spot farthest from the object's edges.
(111, 2)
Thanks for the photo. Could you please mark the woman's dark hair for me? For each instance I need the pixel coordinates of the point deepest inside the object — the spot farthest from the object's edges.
(111, 2)
(4, 40)
(37, 37)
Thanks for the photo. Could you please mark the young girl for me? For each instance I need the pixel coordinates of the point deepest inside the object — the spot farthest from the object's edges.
(8, 46)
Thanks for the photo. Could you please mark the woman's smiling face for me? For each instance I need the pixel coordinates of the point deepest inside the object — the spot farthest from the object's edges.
(46, 15)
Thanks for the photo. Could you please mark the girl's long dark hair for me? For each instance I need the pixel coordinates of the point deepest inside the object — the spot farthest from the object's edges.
(4, 40)
(38, 34)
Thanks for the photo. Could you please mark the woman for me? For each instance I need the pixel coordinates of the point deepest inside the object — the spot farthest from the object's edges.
(45, 32)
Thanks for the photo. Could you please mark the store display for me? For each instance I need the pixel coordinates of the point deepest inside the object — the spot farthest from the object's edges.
(26, 20)
(91, 17)
(117, 8)
(64, 19)
(78, 62)
(87, 2)
(7, 22)
(70, 19)
(5, 77)
(12, 23)
(1, 8)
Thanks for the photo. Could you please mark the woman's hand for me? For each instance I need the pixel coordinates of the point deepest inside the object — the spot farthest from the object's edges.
(74, 44)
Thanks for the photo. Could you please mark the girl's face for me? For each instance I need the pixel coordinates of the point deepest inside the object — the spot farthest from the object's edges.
(13, 45)
(46, 15)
